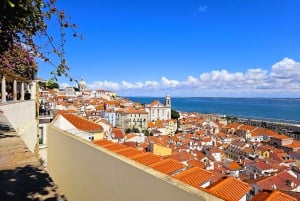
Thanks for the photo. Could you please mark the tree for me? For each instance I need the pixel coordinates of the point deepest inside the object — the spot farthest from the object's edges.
(23, 21)
(19, 61)
(175, 115)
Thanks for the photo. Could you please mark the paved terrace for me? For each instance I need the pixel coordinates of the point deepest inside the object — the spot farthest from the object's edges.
(22, 177)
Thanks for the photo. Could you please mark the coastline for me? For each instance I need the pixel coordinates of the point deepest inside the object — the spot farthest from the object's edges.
(285, 110)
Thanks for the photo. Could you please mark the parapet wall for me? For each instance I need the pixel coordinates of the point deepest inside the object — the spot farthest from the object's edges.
(84, 171)
(22, 117)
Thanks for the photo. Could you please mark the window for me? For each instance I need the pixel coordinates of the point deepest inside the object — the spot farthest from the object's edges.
(41, 135)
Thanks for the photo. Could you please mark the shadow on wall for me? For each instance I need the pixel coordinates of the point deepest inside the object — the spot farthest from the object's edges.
(27, 184)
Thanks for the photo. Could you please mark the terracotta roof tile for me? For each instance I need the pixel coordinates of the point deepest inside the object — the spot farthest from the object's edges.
(129, 152)
(167, 166)
(146, 158)
(196, 163)
(195, 176)
(229, 188)
(114, 147)
(83, 124)
(281, 180)
(103, 142)
(117, 133)
(268, 195)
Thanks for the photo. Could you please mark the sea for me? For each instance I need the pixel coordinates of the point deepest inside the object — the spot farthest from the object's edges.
(268, 109)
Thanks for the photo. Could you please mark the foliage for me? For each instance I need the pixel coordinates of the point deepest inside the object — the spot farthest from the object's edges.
(231, 119)
(175, 114)
(48, 85)
(23, 21)
(147, 133)
(19, 61)
(133, 130)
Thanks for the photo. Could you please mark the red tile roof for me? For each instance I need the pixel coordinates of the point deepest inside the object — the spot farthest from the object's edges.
(117, 133)
(146, 158)
(103, 142)
(195, 176)
(129, 152)
(114, 147)
(196, 163)
(229, 188)
(83, 124)
(167, 166)
(280, 181)
(268, 195)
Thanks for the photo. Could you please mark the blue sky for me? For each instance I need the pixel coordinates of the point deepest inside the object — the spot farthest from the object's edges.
(232, 48)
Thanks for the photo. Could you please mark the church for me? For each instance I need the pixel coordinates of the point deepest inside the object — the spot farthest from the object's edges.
(158, 111)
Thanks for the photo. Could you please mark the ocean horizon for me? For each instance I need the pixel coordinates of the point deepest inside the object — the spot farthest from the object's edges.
(273, 109)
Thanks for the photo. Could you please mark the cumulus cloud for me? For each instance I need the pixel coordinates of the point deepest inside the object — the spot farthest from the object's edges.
(128, 85)
(169, 83)
(104, 85)
(191, 81)
(151, 84)
(282, 77)
(286, 69)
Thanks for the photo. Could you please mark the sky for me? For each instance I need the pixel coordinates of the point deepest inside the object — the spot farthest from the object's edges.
(184, 48)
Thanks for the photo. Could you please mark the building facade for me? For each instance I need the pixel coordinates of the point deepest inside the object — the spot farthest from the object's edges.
(158, 111)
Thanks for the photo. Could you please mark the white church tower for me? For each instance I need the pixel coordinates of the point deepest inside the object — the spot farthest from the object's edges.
(168, 101)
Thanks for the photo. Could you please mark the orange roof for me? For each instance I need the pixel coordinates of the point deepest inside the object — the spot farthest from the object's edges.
(167, 166)
(269, 195)
(233, 125)
(103, 142)
(196, 163)
(282, 137)
(129, 151)
(82, 124)
(114, 146)
(195, 176)
(295, 144)
(155, 103)
(229, 188)
(233, 166)
(247, 127)
(146, 158)
(132, 110)
(151, 124)
(117, 133)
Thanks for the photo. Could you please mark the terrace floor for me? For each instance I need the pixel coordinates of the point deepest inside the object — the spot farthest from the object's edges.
(22, 177)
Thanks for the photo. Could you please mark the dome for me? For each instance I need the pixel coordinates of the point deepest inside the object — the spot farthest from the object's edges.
(82, 85)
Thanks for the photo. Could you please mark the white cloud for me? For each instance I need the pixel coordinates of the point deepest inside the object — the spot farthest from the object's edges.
(104, 85)
(169, 83)
(286, 69)
(191, 81)
(283, 78)
(128, 85)
(151, 84)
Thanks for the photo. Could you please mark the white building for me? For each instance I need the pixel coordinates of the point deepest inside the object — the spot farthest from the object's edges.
(158, 111)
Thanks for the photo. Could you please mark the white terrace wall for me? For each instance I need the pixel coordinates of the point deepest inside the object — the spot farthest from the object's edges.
(84, 171)
(22, 117)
